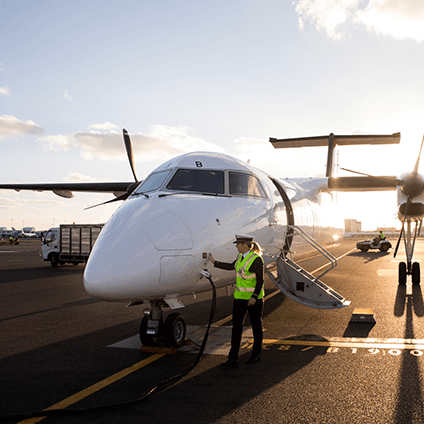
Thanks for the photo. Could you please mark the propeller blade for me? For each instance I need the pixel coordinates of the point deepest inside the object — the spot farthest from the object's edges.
(417, 163)
(122, 197)
(131, 187)
(130, 154)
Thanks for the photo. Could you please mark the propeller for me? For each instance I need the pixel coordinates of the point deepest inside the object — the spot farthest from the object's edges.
(130, 154)
(131, 187)
(411, 185)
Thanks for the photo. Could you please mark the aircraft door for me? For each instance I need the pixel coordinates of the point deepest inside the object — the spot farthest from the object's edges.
(289, 212)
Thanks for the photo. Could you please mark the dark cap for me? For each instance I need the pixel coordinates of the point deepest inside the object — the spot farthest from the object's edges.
(243, 239)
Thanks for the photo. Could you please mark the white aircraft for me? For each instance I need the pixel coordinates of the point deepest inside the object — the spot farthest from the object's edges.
(154, 247)
(11, 233)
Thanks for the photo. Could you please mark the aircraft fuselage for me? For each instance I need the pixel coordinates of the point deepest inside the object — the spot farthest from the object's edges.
(156, 243)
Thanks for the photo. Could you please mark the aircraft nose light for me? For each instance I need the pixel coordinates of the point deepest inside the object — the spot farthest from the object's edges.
(121, 268)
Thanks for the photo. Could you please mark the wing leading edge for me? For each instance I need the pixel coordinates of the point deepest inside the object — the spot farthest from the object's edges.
(66, 189)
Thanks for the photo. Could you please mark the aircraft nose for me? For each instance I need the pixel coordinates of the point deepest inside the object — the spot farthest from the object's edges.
(121, 268)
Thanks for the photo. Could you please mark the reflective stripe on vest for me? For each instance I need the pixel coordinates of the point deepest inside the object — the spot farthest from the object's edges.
(246, 280)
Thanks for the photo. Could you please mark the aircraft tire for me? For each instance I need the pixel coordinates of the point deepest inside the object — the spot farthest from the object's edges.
(148, 339)
(174, 330)
(402, 273)
(416, 274)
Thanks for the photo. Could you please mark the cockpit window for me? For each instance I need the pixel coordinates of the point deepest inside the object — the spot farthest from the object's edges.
(152, 182)
(203, 181)
(245, 185)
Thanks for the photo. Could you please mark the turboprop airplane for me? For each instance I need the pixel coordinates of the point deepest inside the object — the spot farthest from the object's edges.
(154, 249)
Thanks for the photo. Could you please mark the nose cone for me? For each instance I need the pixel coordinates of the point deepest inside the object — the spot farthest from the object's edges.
(121, 268)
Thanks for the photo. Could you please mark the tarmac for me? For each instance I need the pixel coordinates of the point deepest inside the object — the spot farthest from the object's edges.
(62, 349)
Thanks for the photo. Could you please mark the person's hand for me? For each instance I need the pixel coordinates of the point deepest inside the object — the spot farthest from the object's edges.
(251, 301)
(211, 258)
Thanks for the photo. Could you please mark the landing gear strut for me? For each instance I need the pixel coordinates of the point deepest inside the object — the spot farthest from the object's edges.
(154, 332)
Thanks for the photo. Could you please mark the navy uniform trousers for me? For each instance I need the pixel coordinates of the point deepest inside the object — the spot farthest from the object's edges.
(240, 309)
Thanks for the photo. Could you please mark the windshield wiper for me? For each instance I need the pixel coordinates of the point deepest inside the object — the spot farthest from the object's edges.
(140, 192)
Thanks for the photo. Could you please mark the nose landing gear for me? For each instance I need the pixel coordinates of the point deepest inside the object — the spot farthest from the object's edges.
(155, 332)
(409, 269)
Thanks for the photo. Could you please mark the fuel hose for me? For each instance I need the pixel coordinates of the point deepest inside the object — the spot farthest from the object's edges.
(150, 391)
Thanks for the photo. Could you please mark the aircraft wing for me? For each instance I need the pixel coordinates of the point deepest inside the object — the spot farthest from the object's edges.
(380, 183)
(332, 141)
(341, 140)
(66, 189)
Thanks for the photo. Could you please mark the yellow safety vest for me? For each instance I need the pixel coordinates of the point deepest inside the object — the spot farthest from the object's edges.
(246, 280)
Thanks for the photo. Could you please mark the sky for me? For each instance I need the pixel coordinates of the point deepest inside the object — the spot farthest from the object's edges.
(220, 75)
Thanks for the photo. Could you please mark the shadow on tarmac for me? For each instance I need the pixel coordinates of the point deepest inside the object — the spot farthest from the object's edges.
(358, 329)
(414, 301)
(28, 274)
(409, 405)
(370, 255)
(65, 305)
(214, 393)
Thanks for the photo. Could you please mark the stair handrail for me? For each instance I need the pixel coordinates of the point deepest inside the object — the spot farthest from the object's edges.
(331, 258)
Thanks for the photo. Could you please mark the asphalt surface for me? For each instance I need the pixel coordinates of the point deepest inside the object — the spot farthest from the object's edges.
(60, 348)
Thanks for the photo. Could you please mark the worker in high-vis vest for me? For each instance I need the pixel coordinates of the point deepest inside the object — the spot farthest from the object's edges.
(248, 297)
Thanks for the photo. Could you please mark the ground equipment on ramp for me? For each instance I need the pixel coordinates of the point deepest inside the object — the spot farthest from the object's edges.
(381, 244)
(9, 241)
(69, 243)
(301, 286)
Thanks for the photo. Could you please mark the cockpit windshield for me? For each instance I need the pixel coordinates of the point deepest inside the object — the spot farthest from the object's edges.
(152, 182)
(199, 180)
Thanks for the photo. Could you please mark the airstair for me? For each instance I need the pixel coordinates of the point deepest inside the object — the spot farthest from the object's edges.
(301, 286)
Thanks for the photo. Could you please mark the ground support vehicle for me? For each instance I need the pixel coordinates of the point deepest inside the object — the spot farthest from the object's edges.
(383, 245)
(69, 243)
(8, 241)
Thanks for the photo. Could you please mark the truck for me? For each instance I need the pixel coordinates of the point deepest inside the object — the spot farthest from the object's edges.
(69, 243)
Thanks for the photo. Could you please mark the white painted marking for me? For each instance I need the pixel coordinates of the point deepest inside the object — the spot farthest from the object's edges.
(130, 343)
(219, 340)
(219, 343)
(386, 272)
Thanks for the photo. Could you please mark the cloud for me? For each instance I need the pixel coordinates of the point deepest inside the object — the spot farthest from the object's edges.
(394, 18)
(4, 91)
(161, 143)
(76, 177)
(104, 126)
(11, 126)
(399, 19)
(67, 95)
(326, 14)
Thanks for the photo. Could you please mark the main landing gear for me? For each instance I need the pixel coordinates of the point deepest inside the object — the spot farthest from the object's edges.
(155, 332)
(409, 269)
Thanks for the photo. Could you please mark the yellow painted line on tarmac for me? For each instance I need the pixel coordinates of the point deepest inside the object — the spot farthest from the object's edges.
(95, 387)
(401, 344)
(274, 293)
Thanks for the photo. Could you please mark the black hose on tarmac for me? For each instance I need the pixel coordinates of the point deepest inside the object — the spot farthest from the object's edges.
(114, 407)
